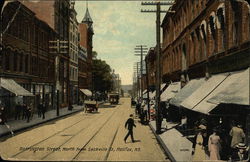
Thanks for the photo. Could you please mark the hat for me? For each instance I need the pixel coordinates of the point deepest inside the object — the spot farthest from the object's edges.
(202, 126)
(241, 145)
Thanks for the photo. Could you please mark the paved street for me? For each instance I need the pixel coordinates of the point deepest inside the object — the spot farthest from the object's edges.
(85, 136)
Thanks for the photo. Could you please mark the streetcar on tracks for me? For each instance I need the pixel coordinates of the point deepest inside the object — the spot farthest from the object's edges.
(114, 98)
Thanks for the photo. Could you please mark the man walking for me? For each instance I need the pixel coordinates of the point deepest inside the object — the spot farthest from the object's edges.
(130, 123)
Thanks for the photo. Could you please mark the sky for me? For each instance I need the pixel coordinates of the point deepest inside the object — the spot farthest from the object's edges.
(119, 27)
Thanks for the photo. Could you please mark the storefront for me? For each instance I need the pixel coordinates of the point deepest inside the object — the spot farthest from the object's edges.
(11, 93)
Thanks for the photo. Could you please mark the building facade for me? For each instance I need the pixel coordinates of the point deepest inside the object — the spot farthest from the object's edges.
(25, 56)
(86, 46)
(56, 14)
(73, 52)
(209, 37)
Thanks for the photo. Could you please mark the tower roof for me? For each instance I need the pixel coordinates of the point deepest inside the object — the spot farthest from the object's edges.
(87, 18)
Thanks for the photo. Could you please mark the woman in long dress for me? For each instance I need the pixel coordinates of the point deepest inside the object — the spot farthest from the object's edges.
(199, 152)
(214, 146)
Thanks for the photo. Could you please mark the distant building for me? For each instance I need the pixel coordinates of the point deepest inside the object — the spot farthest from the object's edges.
(73, 53)
(85, 54)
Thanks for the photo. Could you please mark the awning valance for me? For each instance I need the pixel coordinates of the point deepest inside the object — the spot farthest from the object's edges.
(171, 91)
(186, 91)
(86, 92)
(14, 87)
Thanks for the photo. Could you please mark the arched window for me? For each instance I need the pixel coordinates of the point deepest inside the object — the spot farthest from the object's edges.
(221, 24)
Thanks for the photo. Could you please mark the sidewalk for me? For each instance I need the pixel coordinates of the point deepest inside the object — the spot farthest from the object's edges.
(176, 146)
(18, 125)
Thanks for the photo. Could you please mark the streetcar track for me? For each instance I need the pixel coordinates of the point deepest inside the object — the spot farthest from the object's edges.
(51, 136)
(107, 154)
(79, 133)
(93, 136)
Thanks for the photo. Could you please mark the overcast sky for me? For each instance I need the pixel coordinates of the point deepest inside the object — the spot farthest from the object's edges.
(119, 27)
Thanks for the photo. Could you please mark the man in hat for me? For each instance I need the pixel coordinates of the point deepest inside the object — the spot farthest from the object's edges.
(242, 151)
(130, 123)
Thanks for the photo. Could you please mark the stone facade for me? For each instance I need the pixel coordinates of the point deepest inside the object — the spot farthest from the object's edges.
(204, 37)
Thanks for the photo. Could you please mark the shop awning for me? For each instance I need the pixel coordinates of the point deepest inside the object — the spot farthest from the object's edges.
(14, 87)
(171, 91)
(218, 87)
(186, 91)
(86, 92)
(204, 90)
(237, 91)
(154, 93)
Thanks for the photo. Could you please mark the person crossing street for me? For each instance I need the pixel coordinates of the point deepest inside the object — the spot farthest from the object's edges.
(130, 124)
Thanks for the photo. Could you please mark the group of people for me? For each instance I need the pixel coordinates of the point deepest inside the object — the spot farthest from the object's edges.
(24, 111)
(141, 110)
(211, 147)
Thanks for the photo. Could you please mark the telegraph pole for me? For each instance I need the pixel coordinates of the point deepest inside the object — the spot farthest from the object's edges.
(141, 51)
(158, 12)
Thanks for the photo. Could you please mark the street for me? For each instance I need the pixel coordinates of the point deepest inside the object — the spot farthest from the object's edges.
(85, 136)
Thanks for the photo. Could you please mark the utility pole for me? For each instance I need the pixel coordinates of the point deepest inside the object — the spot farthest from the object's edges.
(141, 51)
(158, 12)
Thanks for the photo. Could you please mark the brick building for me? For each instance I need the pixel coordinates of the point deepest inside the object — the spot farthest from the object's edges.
(205, 58)
(209, 37)
(85, 52)
(56, 13)
(25, 57)
(151, 68)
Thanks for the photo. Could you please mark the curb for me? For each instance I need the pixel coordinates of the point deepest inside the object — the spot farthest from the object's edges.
(166, 150)
(36, 124)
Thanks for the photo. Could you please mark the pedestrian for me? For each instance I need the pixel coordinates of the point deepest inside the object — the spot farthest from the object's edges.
(238, 136)
(199, 152)
(183, 125)
(214, 145)
(3, 118)
(24, 109)
(39, 110)
(18, 110)
(31, 110)
(242, 153)
(137, 108)
(70, 106)
(145, 114)
(43, 110)
(130, 124)
(28, 113)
